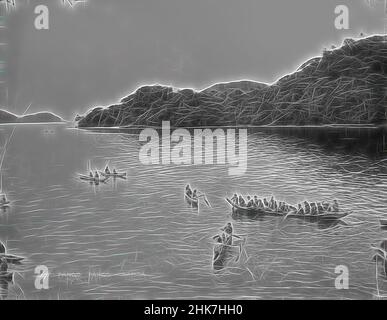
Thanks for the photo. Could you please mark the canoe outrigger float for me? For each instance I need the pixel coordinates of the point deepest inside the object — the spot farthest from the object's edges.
(292, 214)
(114, 175)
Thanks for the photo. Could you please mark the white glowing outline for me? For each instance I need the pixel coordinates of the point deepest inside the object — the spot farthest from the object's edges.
(227, 82)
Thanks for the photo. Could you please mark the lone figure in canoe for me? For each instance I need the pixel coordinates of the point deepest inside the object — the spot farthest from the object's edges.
(227, 233)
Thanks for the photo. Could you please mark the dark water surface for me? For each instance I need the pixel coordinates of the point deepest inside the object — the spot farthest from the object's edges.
(136, 238)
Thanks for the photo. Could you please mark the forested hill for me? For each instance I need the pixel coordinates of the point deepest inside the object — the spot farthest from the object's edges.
(345, 85)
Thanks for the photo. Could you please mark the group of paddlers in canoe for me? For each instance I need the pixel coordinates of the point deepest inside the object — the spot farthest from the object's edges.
(102, 176)
(304, 208)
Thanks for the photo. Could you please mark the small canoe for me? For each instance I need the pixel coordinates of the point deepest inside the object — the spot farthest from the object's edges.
(114, 175)
(12, 259)
(191, 201)
(223, 254)
(92, 179)
(6, 276)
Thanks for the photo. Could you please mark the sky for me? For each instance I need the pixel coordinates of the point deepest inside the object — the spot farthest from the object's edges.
(96, 53)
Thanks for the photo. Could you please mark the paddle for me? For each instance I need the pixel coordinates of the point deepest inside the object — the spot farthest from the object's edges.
(240, 246)
(288, 214)
(380, 251)
(205, 199)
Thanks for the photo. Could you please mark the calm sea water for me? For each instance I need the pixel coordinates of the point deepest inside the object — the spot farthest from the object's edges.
(137, 238)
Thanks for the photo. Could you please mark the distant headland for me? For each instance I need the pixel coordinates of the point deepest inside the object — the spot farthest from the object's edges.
(39, 117)
(345, 85)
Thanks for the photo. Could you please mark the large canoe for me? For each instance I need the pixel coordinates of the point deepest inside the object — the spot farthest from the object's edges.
(264, 212)
(252, 211)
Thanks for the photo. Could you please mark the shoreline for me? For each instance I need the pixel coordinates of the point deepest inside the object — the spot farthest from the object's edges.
(27, 123)
(332, 126)
(344, 87)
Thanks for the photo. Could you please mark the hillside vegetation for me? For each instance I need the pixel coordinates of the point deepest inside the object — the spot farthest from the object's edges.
(346, 85)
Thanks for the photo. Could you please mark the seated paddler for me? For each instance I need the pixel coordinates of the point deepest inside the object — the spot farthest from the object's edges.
(242, 201)
(188, 190)
(250, 202)
(234, 198)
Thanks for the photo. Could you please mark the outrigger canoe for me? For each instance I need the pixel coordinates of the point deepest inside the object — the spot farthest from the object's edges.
(258, 211)
(6, 276)
(114, 175)
(191, 201)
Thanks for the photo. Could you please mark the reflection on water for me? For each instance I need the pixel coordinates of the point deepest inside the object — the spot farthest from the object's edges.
(138, 238)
